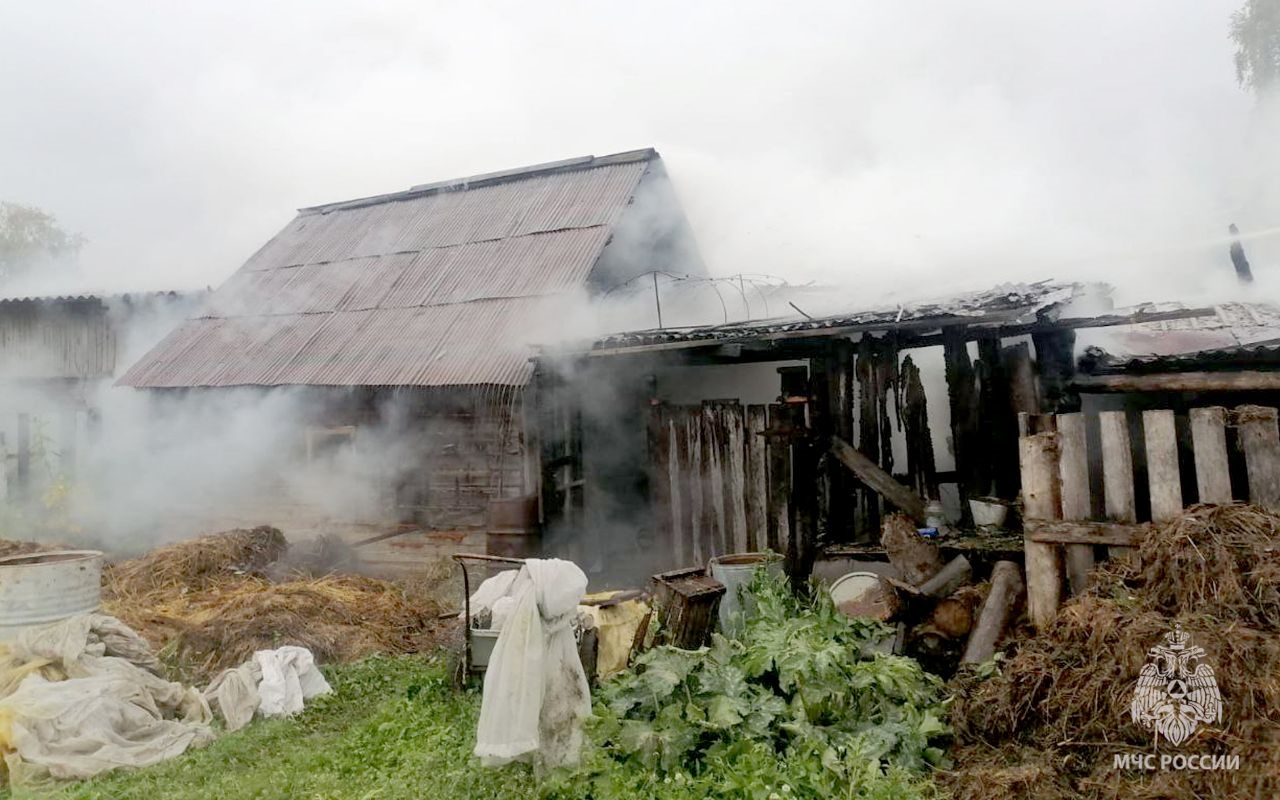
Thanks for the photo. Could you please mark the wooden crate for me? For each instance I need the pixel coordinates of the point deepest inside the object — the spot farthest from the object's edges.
(686, 601)
(1062, 532)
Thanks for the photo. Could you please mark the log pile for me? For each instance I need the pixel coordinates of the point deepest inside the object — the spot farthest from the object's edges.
(950, 620)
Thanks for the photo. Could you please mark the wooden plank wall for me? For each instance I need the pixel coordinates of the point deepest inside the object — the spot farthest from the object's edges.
(1061, 540)
(723, 486)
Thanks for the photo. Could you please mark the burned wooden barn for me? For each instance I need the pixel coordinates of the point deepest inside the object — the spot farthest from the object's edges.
(56, 355)
(667, 447)
(414, 313)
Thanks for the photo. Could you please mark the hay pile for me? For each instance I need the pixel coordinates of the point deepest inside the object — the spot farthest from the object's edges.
(208, 604)
(1050, 724)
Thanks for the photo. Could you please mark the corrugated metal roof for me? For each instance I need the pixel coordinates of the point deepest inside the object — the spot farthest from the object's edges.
(1232, 333)
(1007, 303)
(429, 287)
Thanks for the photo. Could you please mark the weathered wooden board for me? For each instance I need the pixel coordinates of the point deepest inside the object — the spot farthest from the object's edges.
(1038, 459)
(879, 480)
(1075, 532)
(1163, 479)
(1209, 445)
(1073, 471)
(1261, 443)
(757, 479)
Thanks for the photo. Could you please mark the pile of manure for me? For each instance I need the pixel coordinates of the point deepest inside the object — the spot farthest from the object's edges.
(208, 604)
(1051, 723)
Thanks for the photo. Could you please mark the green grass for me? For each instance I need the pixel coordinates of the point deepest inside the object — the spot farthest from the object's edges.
(392, 728)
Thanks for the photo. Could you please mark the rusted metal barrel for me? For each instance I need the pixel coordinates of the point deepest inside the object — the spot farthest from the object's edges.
(39, 588)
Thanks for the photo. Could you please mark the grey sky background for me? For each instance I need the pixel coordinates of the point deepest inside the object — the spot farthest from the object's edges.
(894, 148)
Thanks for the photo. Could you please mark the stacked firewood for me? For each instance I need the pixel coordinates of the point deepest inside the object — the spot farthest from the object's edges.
(948, 617)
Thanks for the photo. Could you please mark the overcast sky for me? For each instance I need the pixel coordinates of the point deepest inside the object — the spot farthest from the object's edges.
(890, 147)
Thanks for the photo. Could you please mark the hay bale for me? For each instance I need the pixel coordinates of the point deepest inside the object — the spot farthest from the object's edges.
(1062, 701)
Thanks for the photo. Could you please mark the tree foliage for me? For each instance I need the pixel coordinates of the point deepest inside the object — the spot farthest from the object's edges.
(1255, 28)
(30, 238)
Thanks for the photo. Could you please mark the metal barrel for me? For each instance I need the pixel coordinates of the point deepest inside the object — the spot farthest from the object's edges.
(39, 588)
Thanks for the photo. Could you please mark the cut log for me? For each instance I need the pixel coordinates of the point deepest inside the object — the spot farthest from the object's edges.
(952, 617)
(916, 558)
(1246, 381)
(993, 617)
(955, 574)
(882, 482)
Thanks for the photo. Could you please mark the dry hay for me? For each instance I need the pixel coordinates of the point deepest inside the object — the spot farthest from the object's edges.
(11, 547)
(207, 605)
(1050, 724)
(198, 562)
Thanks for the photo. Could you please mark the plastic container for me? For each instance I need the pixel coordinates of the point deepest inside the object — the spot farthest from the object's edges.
(735, 572)
(39, 588)
(988, 512)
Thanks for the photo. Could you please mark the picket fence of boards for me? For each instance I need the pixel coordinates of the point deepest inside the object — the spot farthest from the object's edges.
(1063, 527)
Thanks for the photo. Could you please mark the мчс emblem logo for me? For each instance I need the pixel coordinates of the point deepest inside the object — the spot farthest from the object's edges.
(1176, 690)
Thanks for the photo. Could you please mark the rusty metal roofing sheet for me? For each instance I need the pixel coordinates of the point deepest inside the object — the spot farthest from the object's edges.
(429, 287)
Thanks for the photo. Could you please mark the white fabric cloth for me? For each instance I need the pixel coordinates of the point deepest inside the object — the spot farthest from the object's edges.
(289, 676)
(535, 691)
(274, 683)
(79, 709)
(490, 591)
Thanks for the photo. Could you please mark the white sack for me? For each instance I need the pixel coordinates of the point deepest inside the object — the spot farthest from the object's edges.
(289, 676)
(535, 691)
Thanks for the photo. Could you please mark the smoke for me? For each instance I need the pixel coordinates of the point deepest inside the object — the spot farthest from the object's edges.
(880, 147)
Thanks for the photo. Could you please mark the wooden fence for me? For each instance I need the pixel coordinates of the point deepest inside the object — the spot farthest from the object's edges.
(1087, 485)
(720, 485)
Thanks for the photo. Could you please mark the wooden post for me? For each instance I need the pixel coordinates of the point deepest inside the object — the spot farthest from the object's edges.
(1006, 587)
(840, 502)
(1073, 470)
(757, 479)
(1163, 478)
(1209, 443)
(1056, 366)
(1022, 379)
(1117, 471)
(998, 417)
(802, 550)
(962, 392)
(1261, 444)
(1038, 459)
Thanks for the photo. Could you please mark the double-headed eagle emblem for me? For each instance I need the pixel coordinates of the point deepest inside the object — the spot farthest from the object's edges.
(1176, 690)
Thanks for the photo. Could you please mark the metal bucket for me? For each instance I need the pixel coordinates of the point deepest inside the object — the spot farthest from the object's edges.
(735, 571)
(39, 588)
(859, 594)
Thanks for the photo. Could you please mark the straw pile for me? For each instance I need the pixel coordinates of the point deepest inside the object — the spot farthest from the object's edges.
(207, 604)
(1051, 723)
(10, 547)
